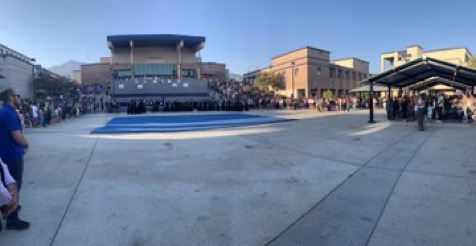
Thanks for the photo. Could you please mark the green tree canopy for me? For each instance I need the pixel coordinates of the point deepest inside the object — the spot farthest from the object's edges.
(270, 80)
(48, 85)
(328, 94)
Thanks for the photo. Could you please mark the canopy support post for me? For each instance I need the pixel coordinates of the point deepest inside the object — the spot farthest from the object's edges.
(371, 104)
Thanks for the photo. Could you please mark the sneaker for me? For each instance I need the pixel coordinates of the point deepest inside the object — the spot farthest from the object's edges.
(17, 225)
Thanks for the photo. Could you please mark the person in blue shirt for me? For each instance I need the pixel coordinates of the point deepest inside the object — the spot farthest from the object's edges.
(13, 146)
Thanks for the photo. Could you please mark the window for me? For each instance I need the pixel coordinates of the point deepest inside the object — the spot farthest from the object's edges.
(347, 75)
(154, 70)
(188, 73)
(339, 75)
(319, 70)
(331, 72)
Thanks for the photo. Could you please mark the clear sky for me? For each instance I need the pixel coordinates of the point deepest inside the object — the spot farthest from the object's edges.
(244, 34)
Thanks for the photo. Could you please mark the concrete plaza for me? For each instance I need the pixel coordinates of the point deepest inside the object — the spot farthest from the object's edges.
(326, 179)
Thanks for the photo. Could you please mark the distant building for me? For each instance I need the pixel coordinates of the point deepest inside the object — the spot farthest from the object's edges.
(96, 73)
(105, 60)
(77, 76)
(40, 72)
(16, 71)
(309, 72)
(460, 56)
(213, 71)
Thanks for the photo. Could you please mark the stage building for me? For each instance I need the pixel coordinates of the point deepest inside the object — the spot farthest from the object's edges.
(157, 55)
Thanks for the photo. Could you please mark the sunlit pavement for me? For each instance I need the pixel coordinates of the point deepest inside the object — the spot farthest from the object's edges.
(326, 179)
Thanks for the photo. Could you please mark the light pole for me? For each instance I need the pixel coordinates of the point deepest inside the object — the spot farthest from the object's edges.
(292, 80)
(270, 74)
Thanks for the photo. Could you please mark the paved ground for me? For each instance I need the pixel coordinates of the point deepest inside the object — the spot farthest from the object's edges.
(322, 180)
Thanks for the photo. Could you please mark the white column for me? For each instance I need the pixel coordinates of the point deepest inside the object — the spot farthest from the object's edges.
(131, 44)
(179, 59)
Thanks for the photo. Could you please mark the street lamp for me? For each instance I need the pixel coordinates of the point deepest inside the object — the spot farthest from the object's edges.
(292, 80)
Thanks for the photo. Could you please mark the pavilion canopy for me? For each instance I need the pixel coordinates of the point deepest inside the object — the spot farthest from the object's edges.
(366, 88)
(422, 73)
(436, 82)
(425, 68)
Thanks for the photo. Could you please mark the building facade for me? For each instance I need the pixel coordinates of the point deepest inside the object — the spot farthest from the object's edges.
(309, 72)
(16, 72)
(460, 56)
(77, 76)
(172, 56)
(213, 71)
(155, 55)
(96, 73)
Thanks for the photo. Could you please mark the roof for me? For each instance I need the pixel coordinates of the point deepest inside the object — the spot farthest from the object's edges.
(422, 69)
(154, 40)
(429, 51)
(95, 64)
(366, 88)
(14, 51)
(443, 49)
(305, 47)
(349, 58)
(435, 81)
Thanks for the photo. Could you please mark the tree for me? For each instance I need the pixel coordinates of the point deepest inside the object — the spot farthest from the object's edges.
(270, 80)
(46, 85)
(472, 62)
(278, 82)
(328, 94)
(263, 80)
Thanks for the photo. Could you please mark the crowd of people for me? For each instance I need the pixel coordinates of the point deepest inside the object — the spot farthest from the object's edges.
(238, 96)
(439, 107)
(55, 109)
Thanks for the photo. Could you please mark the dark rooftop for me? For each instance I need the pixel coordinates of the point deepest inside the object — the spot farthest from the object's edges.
(154, 40)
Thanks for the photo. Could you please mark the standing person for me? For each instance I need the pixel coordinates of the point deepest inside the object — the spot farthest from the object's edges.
(13, 146)
(8, 191)
(34, 113)
(429, 109)
(389, 108)
(440, 104)
(421, 113)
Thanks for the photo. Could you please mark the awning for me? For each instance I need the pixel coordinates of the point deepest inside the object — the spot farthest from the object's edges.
(422, 73)
(366, 88)
(424, 68)
(437, 83)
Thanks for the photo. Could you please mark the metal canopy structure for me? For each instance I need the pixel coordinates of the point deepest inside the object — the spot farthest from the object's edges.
(421, 74)
(366, 88)
(430, 83)
(422, 69)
